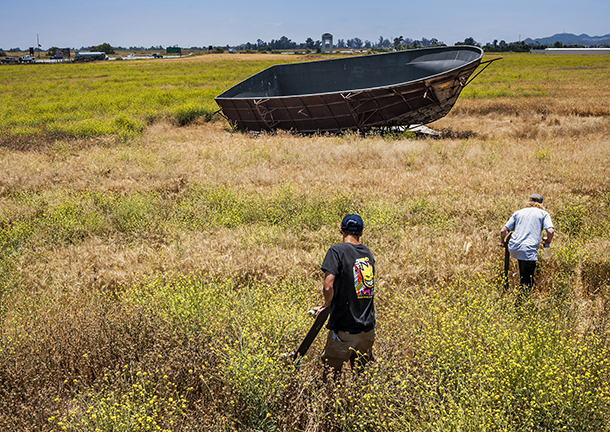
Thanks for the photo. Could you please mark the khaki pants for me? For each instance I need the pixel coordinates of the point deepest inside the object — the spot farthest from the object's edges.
(342, 346)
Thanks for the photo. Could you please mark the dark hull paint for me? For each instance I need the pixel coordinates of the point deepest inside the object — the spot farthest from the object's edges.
(355, 93)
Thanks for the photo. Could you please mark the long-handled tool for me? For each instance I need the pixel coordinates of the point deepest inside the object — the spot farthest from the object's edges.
(317, 325)
(506, 262)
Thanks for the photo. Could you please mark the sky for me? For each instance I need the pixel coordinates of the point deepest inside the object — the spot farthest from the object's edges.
(186, 23)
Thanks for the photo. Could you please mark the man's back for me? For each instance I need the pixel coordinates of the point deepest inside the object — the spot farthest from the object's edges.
(527, 225)
(352, 308)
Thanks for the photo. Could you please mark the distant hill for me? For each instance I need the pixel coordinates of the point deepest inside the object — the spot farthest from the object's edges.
(572, 39)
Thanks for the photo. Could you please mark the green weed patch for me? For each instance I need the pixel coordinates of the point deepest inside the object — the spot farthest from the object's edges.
(84, 100)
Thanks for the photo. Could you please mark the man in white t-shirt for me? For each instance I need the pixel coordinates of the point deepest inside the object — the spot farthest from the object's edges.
(527, 225)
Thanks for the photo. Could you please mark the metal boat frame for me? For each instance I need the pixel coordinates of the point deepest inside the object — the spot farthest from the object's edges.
(400, 88)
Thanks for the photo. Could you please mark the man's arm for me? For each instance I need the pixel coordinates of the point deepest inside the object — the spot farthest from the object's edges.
(503, 233)
(550, 232)
(327, 291)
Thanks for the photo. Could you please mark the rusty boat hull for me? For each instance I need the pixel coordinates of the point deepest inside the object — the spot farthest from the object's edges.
(400, 88)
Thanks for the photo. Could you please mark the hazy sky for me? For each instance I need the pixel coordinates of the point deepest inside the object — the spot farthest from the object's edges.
(77, 23)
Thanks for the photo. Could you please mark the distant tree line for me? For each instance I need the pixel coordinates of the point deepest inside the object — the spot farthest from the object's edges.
(396, 43)
(520, 46)
(310, 44)
(382, 44)
(502, 46)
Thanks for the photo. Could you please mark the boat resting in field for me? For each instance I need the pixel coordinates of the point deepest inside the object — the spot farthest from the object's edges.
(399, 88)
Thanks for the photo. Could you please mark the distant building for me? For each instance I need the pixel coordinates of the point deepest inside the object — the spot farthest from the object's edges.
(571, 51)
(327, 37)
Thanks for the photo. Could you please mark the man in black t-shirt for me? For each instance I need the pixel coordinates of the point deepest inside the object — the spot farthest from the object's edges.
(348, 289)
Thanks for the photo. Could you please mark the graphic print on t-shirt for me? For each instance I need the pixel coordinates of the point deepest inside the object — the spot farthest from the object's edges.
(364, 278)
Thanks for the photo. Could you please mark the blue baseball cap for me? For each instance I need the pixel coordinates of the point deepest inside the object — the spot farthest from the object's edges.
(352, 222)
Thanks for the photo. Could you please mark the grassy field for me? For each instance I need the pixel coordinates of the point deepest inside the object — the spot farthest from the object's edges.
(153, 271)
(116, 98)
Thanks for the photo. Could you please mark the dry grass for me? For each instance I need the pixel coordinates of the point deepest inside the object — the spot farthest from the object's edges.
(475, 183)
(124, 257)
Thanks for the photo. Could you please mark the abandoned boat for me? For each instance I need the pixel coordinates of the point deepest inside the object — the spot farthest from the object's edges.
(400, 88)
